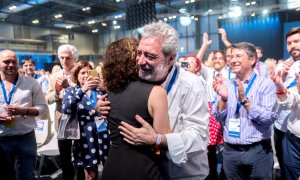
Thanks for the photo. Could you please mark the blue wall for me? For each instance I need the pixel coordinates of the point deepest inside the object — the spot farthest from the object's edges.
(264, 31)
(40, 59)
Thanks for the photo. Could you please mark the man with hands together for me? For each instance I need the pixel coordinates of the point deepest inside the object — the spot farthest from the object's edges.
(245, 110)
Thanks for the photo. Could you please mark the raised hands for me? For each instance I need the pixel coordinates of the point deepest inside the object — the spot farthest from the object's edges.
(91, 82)
(240, 90)
(220, 87)
(61, 83)
(206, 42)
(224, 37)
(276, 77)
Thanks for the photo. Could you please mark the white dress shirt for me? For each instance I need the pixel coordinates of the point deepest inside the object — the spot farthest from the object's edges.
(28, 93)
(189, 119)
(292, 102)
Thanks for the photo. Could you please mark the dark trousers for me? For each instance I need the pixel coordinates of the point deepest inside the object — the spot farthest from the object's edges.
(244, 162)
(278, 139)
(212, 162)
(65, 151)
(18, 152)
(291, 156)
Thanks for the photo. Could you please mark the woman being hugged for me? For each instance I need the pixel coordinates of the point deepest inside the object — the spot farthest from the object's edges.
(128, 97)
(91, 149)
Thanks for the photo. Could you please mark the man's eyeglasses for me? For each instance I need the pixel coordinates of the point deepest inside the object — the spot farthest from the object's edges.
(63, 57)
(149, 56)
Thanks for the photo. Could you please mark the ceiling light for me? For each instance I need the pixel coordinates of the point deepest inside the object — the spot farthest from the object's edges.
(160, 20)
(253, 14)
(86, 9)
(117, 27)
(192, 17)
(235, 11)
(196, 19)
(57, 16)
(165, 19)
(253, 2)
(91, 22)
(170, 17)
(187, 2)
(174, 17)
(210, 10)
(192, 1)
(117, 0)
(69, 26)
(11, 8)
(35, 21)
(115, 22)
(220, 17)
(104, 24)
(247, 4)
(94, 30)
(291, 4)
(182, 10)
(265, 11)
(185, 20)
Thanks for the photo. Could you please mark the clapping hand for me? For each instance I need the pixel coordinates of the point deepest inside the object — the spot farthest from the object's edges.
(219, 87)
(240, 90)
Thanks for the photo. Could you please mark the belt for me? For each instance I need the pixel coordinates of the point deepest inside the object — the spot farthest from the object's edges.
(266, 143)
(292, 136)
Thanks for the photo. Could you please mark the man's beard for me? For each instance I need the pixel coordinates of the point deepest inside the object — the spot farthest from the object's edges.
(8, 71)
(297, 56)
(155, 75)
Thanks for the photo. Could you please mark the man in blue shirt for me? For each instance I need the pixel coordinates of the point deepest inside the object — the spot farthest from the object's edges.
(245, 110)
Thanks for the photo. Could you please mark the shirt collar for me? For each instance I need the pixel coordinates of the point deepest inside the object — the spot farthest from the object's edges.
(249, 78)
(168, 79)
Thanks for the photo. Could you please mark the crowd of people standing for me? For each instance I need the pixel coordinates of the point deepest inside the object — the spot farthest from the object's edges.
(146, 116)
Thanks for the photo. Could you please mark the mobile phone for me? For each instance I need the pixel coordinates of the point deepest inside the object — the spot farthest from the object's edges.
(93, 73)
(184, 64)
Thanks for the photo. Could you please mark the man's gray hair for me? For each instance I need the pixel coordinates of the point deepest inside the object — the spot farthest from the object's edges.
(167, 33)
(69, 48)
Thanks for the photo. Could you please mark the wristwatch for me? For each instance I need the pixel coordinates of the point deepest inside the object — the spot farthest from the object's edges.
(245, 101)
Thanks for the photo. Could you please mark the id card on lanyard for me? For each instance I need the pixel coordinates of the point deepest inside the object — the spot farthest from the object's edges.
(234, 124)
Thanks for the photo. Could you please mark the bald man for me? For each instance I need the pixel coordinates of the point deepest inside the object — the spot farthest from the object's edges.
(21, 100)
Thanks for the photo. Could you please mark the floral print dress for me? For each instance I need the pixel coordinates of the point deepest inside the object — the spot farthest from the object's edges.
(93, 146)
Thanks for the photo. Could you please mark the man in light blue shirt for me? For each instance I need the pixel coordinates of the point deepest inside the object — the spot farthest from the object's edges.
(245, 110)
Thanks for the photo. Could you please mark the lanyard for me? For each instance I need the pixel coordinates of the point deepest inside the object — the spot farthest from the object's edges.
(172, 81)
(93, 98)
(7, 101)
(292, 83)
(238, 105)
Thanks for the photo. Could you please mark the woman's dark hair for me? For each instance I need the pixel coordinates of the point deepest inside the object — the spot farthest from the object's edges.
(78, 66)
(119, 64)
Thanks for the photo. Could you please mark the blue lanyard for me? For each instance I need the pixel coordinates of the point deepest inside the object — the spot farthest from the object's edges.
(7, 101)
(238, 105)
(170, 85)
(93, 99)
(292, 83)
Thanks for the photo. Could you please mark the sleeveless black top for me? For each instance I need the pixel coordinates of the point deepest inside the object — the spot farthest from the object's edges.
(126, 161)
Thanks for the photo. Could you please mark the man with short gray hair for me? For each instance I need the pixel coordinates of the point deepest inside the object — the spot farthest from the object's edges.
(67, 55)
(187, 101)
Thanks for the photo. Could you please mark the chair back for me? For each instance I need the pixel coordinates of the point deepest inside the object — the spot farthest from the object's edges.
(41, 131)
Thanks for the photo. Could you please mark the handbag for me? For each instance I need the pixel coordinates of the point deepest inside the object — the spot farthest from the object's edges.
(68, 127)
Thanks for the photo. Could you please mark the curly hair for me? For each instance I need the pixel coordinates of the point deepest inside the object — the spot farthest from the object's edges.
(75, 71)
(119, 64)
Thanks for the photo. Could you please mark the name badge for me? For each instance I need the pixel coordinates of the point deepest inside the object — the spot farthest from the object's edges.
(234, 127)
(101, 125)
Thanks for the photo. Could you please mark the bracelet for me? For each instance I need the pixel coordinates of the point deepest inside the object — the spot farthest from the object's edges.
(157, 142)
(282, 92)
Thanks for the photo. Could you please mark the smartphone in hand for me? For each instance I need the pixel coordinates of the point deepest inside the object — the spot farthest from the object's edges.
(93, 73)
